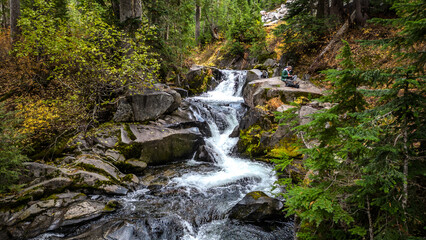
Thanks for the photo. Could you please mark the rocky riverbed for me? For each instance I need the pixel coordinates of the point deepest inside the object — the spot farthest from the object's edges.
(164, 168)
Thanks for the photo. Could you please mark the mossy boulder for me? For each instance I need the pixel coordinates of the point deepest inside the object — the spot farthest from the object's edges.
(202, 79)
(157, 145)
(257, 207)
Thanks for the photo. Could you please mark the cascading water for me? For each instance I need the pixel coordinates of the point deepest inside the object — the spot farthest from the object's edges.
(190, 200)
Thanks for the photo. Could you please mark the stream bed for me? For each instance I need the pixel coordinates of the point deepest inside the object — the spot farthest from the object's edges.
(191, 199)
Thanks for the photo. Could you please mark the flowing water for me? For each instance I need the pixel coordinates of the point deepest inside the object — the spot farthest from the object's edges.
(191, 199)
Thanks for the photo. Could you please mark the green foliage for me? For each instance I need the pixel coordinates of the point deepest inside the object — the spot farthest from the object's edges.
(305, 30)
(83, 59)
(246, 30)
(11, 156)
(368, 161)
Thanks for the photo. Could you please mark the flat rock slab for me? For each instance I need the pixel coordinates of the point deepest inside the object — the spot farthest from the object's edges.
(258, 92)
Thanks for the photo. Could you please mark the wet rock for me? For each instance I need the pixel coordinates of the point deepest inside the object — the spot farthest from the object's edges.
(257, 207)
(205, 154)
(201, 79)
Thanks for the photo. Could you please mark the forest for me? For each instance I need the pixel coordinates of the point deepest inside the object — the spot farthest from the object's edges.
(65, 65)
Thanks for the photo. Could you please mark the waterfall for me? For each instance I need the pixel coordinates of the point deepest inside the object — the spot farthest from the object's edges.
(191, 199)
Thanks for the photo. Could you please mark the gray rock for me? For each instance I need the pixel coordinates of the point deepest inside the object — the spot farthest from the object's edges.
(253, 74)
(256, 207)
(158, 145)
(114, 189)
(85, 178)
(147, 106)
(83, 211)
(258, 92)
(304, 112)
(92, 163)
(150, 106)
(270, 63)
(114, 155)
(46, 187)
(132, 166)
(183, 92)
(284, 107)
(124, 111)
(205, 154)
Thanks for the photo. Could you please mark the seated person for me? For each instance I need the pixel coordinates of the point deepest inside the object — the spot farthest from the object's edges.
(288, 78)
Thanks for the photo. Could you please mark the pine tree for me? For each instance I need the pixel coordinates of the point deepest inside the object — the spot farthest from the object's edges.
(323, 204)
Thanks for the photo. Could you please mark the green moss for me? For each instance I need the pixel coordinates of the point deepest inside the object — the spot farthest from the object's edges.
(200, 83)
(129, 132)
(127, 178)
(79, 195)
(53, 196)
(129, 150)
(111, 205)
(256, 195)
(249, 142)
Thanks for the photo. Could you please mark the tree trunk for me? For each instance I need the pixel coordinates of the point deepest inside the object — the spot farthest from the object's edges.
(336, 8)
(361, 7)
(197, 22)
(115, 5)
(15, 13)
(213, 28)
(320, 8)
(130, 9)
(406, 160)
(370, 221)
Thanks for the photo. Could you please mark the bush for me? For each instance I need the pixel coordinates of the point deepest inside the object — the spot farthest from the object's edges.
(10, 149)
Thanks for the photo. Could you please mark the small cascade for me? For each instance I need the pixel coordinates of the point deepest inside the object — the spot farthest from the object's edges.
(190, 200)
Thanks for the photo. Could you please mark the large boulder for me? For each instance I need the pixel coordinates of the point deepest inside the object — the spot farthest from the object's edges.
(146, 106)
(254, 74)
(257, 207)
(258, 92)
(159, 145)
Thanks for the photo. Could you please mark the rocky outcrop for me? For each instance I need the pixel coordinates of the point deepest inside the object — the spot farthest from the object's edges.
(147, 106)
(201, 79)
(46, 215)
(258, 92)
(257, 207)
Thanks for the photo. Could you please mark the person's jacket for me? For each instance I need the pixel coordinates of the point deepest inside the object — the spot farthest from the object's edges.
(285, 74)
